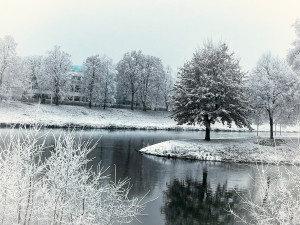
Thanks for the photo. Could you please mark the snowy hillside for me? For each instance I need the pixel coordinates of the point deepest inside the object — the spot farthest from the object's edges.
(65, 116)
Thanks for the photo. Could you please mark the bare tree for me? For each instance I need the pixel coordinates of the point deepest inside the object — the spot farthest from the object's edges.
(272, 85)
(59, 189)
(129, 71)
(7, 55)
(92, 78)
(150, 79)
(32, 76)
(167, 85)
(57, 64)
(108, 80)
(9, 65)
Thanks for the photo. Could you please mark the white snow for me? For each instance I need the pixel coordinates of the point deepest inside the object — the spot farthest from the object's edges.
(65, 115)
(237, 150)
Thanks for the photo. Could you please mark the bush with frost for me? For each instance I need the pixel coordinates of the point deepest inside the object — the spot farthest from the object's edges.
(60, 188)
(275, 198)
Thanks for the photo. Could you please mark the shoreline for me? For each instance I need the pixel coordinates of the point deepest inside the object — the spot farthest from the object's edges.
(91, 127)
(66, 116)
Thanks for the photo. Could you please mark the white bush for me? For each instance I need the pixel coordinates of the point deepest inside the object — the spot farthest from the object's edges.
(276, 195)
(59, 189)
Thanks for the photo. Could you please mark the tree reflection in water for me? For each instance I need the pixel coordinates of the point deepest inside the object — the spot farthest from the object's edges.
(190, 202)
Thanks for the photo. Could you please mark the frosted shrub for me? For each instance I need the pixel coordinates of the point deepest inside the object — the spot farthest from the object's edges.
(59, 189)
(276, 197)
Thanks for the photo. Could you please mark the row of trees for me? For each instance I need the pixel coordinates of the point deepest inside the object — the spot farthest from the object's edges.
(145, 79)
(138, 78)
(22, 75)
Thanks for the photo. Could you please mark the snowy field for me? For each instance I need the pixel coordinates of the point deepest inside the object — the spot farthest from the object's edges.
(235, 150)
(65, 116)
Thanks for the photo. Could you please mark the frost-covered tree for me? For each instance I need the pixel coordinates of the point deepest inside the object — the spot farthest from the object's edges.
(58, 188)
(9, 65)
(293, 56)
(56, 66)
(108, 80)
(129, 72)
(272, 86)
(257, 117)
(32, 75)
(92, 78)
(166, 87)
(7, 55)
(276, 197)
(210, 89)
(150, 79)
(293, 59)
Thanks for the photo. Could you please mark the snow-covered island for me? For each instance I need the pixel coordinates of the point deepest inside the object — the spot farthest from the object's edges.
(283, 150)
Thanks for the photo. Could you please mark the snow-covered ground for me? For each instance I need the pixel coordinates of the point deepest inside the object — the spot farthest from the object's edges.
(65, 116)
(237, 150)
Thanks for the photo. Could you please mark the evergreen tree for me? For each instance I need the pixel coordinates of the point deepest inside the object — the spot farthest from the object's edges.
(210, 89)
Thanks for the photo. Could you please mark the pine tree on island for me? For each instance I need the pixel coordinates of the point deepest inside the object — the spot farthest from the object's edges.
(210, 89)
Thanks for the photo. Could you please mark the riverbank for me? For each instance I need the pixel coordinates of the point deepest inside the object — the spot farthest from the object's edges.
(63, 116)
(242, 150)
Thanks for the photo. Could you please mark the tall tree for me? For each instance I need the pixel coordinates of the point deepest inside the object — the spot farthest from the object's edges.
(272, 86)
(210, 89)
(293, 56)
(9, 64)
(92, 78)
(108, 80)
(166, 87)
(129, 71)
(57, 64)
(152, 71)
(32, 71)
(293, 59)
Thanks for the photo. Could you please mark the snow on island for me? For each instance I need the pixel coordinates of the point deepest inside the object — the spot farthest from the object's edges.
(285, 150)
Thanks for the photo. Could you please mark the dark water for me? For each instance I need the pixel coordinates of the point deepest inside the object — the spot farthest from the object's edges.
(185, 192)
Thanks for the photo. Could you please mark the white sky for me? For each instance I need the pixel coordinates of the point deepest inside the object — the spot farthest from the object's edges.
(169, 29)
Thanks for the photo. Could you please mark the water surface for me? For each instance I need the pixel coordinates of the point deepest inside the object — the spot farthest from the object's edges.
(185, 192)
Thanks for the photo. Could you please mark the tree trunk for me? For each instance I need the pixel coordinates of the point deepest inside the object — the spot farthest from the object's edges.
(257, 130)
(56, 100)
(275, 129)
(104, 105)
(105, 94)
(144, 107)
(207, 129)
(207, 134)
(280, 129)
(90, 104)
(132, 97)
(271, 126)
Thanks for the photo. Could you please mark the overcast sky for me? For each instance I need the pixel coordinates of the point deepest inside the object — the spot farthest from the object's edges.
(169, 29)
